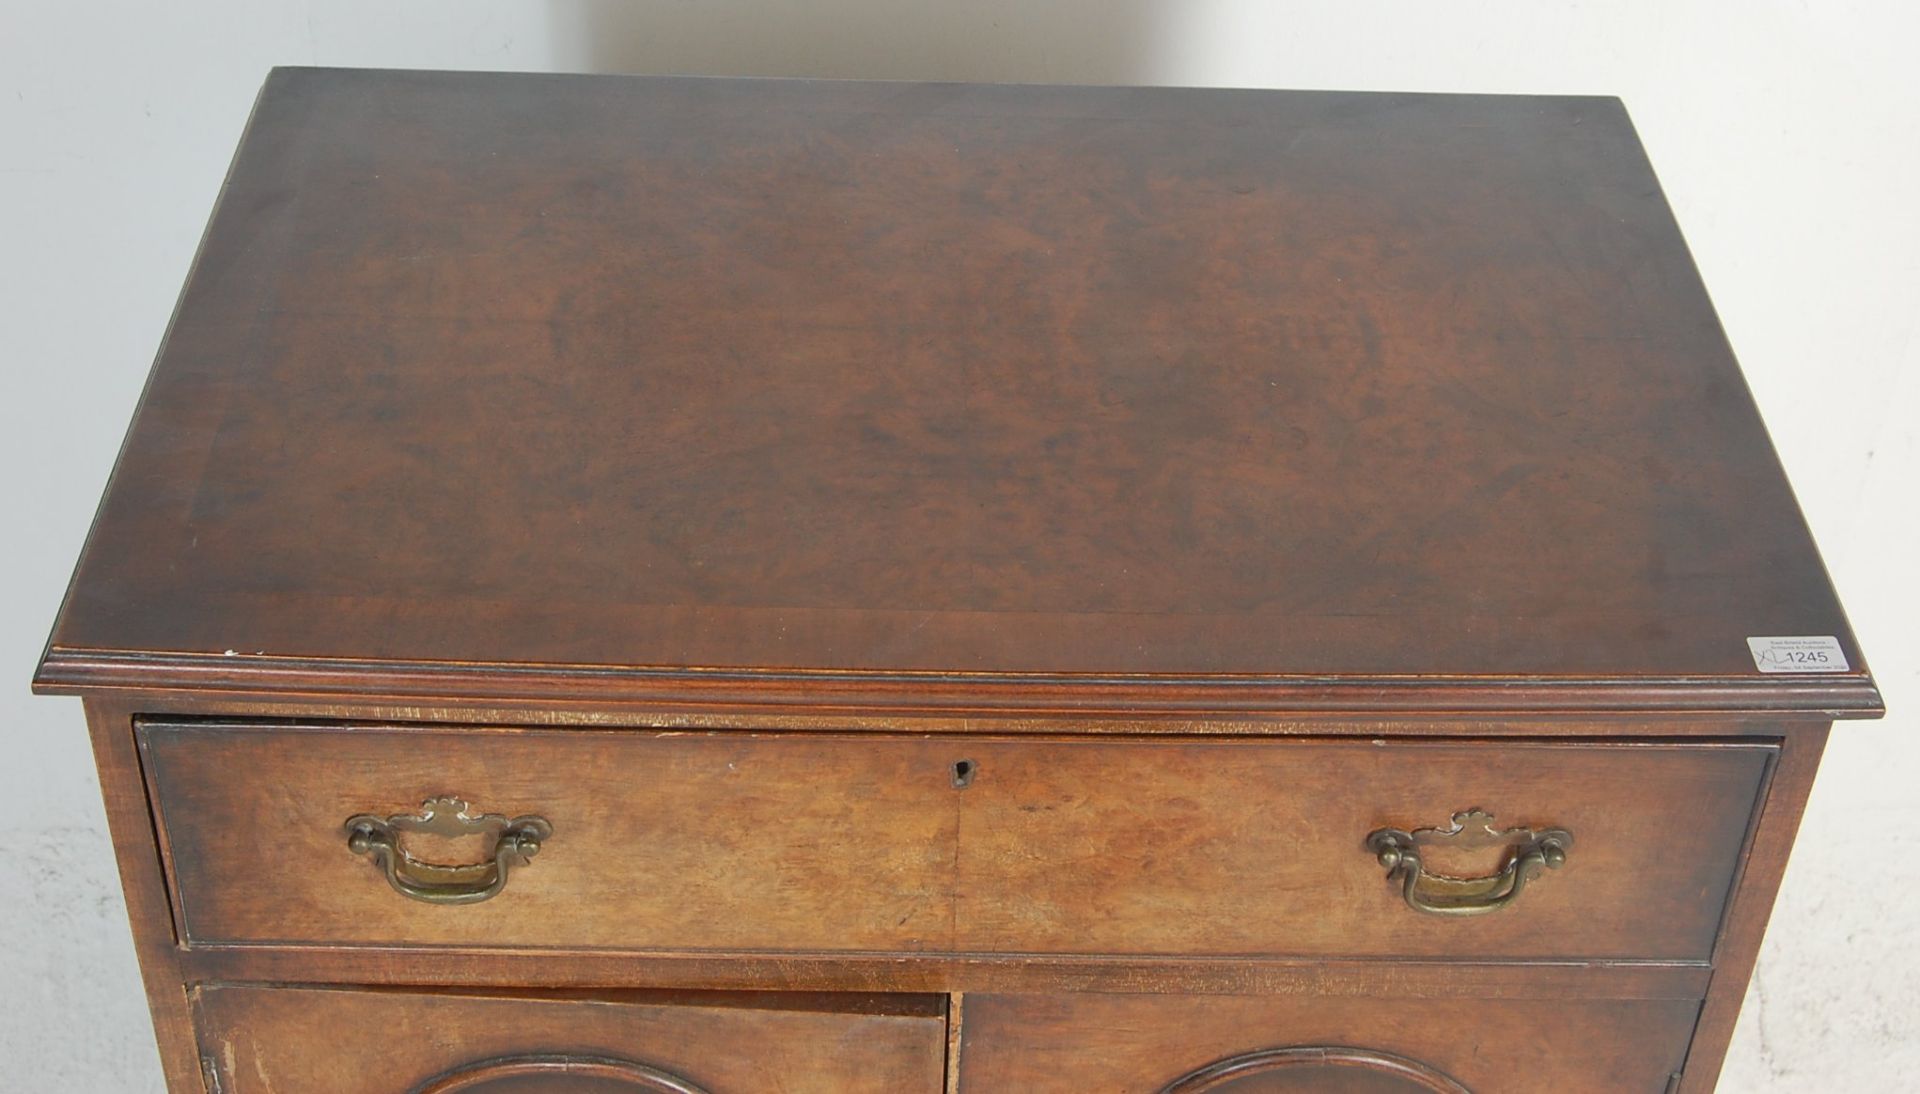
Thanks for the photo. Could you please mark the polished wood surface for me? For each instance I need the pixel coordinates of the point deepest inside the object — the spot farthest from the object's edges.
(143, 884)
(268, 1040)
(1142, 1044)
(962, 570)
(785, 391)
(1764, 864)
(1434, 979)
(737, 842)
(1314, 1069)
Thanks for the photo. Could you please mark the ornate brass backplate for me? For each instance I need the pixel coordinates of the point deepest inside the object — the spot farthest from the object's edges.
(1529, 851)
(513, 843)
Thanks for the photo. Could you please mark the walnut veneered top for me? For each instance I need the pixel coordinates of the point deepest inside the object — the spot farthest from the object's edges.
(932, 395)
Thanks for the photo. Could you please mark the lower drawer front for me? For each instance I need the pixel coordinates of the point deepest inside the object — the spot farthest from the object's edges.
(685, 842)
(1188, 1044)
(270, 1040)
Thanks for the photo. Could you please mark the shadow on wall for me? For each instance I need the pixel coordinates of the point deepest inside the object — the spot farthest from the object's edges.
(1007, 41)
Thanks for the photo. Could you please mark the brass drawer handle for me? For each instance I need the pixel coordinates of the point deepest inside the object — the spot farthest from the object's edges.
(1440, 894)
(515, 842)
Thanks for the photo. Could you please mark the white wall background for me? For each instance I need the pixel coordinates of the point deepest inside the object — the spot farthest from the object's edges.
(1787, 133)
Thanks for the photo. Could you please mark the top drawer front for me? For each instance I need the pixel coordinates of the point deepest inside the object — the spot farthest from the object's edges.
(740, 842)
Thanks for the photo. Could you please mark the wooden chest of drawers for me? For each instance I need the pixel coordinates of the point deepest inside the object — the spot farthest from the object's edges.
(709, 585)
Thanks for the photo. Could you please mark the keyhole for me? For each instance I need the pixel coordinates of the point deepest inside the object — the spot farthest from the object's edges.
(962, 772)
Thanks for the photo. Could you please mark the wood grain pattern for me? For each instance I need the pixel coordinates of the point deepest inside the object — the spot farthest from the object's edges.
(817, 843)
(1436, 979)
(1316, 1070)
(710, 465)
(1764, 865)
(1139, 1044)
(143, 884)
(584, 713)
(891, 394)
(263, 1040)
(1082, 700)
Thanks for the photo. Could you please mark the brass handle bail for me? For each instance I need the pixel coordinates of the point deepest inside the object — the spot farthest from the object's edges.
(1529, 853)
(515, 842)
